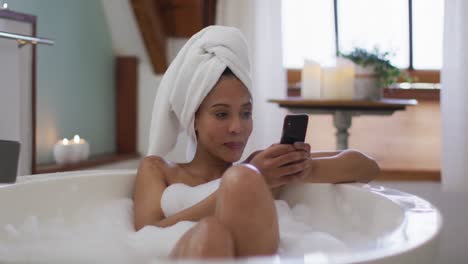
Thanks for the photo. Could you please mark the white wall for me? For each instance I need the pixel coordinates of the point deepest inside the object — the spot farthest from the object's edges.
(127, 41)
(454, 95)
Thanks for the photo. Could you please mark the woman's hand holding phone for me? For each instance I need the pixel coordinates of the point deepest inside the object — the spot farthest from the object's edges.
(305, 147)
(282, 163)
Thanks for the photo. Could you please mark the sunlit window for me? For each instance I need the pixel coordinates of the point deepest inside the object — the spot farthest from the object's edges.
(309, 30)
(428, 24)
(375, 23)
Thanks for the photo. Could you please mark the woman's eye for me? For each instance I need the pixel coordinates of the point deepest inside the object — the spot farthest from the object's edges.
(247, 114)
(221, 115)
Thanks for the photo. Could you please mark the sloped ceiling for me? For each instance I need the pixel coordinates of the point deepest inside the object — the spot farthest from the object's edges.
(161, 19)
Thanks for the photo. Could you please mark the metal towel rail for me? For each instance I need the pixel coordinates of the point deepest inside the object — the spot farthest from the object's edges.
(24, 39)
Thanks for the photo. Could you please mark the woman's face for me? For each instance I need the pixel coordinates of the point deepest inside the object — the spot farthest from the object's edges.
(224, 119)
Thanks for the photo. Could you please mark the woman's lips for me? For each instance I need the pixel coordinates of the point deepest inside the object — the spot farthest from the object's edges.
(234, 145)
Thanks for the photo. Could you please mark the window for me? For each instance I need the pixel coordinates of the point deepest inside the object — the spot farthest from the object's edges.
(308, 31)
(370, 23)
(411, 29)
(427, 33)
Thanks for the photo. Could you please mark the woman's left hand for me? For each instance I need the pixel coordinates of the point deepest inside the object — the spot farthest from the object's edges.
(275, 168)
(301, 146)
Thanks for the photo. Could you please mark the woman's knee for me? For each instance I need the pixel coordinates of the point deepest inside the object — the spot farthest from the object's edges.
(243, 188)
(243, 178)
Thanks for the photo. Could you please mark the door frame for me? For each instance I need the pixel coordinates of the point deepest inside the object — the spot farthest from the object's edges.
(31, 19)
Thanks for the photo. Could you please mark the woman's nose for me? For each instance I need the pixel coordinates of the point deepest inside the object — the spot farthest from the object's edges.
(235, 126)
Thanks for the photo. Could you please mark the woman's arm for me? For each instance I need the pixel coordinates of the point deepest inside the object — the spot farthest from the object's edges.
(341, 166)
(150, 184)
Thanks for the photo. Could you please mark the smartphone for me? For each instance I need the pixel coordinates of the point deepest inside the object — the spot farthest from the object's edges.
(294, 128)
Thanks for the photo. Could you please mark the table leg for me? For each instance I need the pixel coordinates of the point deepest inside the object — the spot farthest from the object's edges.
(342, 121)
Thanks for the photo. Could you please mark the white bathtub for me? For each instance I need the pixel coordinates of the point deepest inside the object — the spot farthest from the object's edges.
(381, 225)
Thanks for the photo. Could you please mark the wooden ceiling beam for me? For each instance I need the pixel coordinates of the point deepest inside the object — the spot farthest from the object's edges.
(160, 19)
(184, 18)
(209, 12)
(150, 22)
(181, 21)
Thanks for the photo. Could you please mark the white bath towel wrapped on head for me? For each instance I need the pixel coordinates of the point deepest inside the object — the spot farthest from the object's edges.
(187, 81)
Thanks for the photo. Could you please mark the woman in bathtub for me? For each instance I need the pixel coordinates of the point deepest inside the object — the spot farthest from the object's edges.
(239, 217)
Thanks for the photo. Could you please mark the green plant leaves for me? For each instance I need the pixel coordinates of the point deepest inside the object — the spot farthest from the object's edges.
(387, 74)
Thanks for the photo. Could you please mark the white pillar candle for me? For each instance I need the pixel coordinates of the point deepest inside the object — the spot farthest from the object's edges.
(330, 89)
(338, 80)
(347, 72)
(62, 151)
(71, 151)
(80, 149)
(311, 79)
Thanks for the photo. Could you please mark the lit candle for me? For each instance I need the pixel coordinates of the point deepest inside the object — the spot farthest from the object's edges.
(76, 139)
(62, 151)
(311, 78)
(80, 149)
(71, 151)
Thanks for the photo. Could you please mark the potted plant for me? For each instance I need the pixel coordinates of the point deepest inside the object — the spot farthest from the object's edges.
(373, 72)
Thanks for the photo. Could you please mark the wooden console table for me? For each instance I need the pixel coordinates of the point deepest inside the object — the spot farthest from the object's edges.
(343, 111)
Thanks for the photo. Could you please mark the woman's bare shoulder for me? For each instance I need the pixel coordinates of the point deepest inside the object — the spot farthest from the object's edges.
(156, 165)
(158, 161)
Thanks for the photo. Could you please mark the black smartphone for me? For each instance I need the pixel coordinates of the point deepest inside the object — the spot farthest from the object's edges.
(294, 128)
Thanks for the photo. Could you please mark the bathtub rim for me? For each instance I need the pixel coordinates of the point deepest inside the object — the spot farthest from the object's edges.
(411, 204)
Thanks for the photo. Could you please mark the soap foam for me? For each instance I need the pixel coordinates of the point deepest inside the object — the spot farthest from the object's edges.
(96, 235)
(104, 233)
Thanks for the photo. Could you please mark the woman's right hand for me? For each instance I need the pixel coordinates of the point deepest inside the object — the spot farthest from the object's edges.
(281, 163)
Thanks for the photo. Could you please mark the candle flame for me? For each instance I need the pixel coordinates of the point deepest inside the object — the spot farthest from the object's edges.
(76, 139)
(65, 141)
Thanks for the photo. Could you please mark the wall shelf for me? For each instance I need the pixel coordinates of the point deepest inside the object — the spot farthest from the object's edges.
(92, 162)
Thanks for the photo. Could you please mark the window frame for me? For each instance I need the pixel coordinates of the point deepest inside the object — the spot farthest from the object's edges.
(425, 76)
